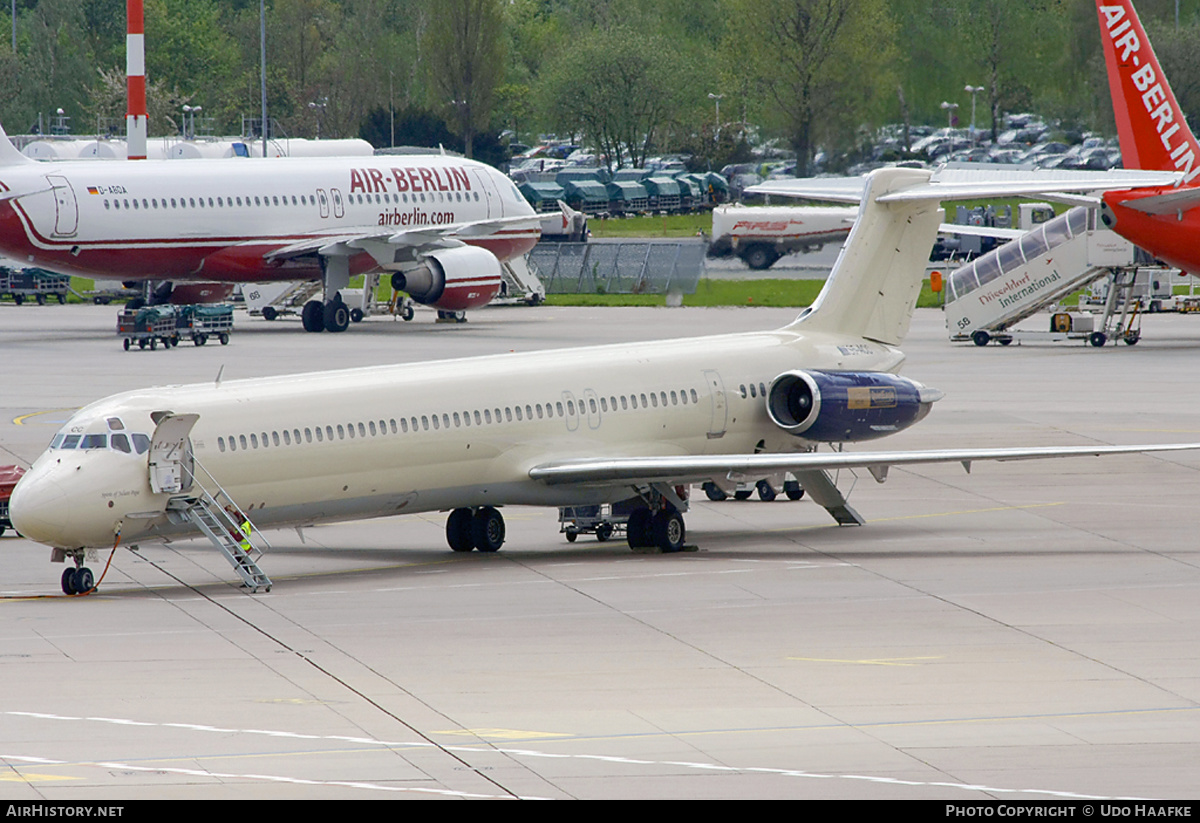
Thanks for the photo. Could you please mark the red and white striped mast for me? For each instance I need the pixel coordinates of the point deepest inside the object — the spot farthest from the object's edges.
(135, 75)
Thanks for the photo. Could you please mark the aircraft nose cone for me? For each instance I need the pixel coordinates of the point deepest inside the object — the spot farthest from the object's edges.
(38, 509)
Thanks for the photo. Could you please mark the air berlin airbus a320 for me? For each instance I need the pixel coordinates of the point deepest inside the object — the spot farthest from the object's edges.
(441, 224)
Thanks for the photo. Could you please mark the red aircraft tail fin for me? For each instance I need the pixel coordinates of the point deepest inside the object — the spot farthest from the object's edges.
(1153, 133)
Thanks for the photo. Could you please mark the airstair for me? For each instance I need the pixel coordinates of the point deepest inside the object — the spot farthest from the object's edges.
(519, 284)
(226, 525)
(987, 297)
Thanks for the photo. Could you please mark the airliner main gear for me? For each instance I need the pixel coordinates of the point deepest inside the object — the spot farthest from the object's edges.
(481, 528)
(333, 316)
(662, 529)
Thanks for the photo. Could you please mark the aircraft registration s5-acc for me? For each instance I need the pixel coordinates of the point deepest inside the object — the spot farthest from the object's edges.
(630, 422)
(442, 224)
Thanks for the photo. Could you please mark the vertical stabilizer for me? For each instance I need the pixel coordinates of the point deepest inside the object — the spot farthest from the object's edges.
(1150, 125)
(9, 156)
(874, 285)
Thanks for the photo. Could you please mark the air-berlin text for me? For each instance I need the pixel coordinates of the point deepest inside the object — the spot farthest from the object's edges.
(415, 217)
(409, 178)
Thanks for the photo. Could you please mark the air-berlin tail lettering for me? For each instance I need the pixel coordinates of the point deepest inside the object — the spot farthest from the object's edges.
(409, 179)
(1156, 101)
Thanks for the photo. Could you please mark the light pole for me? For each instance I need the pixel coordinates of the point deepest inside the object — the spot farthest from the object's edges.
(716, 98)
(318, 108)
(262, 60)
(972, 90)
(950, 108)
(189, 121)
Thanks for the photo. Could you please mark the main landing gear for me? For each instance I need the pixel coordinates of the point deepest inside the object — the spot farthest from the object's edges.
(656, 521)
(331, 316)
(478, 528)
(662, 529)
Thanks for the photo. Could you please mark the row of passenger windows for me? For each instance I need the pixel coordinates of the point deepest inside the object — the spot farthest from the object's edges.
(280, 200)
(211, 202)
(417, 197)
(446, 420)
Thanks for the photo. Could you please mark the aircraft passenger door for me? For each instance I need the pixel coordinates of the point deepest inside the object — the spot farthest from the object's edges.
(171, 462)
(489, 199)
(66, 209)
(720, 409)
(323, 202)
(339, 208)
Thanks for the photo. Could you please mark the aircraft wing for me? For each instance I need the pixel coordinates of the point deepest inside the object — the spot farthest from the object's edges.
(981, 231)
(417, 239)
(980, 180)
(687, 468)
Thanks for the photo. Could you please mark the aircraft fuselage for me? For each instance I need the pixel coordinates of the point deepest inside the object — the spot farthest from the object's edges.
(380, 441)
(1169, 237)
(216, 220)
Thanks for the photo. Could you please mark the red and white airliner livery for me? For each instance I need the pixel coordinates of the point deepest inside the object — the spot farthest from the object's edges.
(1154, 136)
(441, 224)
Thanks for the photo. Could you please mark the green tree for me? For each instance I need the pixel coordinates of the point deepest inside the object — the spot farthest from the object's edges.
(190, 55)
(820, 65)
(618, 86)
(463, 48)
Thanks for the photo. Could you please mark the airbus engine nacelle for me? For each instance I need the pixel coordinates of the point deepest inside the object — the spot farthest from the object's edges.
(457, 279)
(838, 407)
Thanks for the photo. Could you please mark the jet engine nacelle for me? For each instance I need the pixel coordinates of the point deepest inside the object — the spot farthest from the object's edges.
(457, 279)
(846, 406)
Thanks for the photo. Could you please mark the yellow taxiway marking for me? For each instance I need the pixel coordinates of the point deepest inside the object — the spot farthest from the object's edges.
(877, 661)
(20, 421)
(816, 526)
(502, 734)
(969, 511)
(29, 777)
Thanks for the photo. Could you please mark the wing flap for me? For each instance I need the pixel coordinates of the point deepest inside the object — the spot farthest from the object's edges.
(418, 239)
(685, 468)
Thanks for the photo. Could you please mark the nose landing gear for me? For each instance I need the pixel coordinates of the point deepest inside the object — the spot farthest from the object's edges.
(78, 580)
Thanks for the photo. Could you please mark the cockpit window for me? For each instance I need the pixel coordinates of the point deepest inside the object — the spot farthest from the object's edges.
(126, 443)
(115, 424)
(94, 441)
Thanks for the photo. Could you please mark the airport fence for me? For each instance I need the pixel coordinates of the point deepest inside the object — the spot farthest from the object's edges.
(619, 266)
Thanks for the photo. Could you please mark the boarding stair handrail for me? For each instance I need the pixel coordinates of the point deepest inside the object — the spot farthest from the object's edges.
(205, 511)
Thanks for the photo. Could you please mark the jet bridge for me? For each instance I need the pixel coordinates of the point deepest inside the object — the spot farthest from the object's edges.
(987, 297)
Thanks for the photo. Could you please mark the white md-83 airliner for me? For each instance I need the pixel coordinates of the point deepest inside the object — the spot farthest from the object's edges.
(557, 428)
(442, 224)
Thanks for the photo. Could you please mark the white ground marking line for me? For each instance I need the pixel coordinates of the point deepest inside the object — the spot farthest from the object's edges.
(490, 750)
(269, 778)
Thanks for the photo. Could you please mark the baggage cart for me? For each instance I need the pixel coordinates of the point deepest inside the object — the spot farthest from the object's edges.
(204, 320)
(148, 326)
(9, 475)
(36, 283)
(598, 520)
